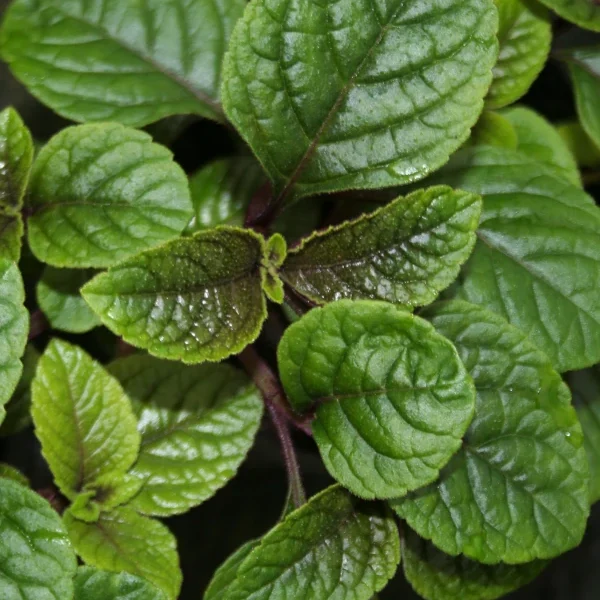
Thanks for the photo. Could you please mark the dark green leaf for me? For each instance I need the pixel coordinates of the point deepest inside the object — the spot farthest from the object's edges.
(82, 418)
(525, 35)
(16, 155)
(14, 329)
(197, 424)
(405, 252)
(132, 62)
(11, 232)
(336, 546)
(585, 13)
(36, 559)
(438, 576)
(101, 193)
(372, 95)
(539, 140)
(122, 540)
(518, 488)
(392, 398)
(224, 578)
(194, 299)
(221, 192)
(585, 387)
(9, 472)
(59, 298)
(93, 584)
(537, 254)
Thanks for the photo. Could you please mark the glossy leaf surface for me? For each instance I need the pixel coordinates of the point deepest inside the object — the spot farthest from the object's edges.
(94, 584)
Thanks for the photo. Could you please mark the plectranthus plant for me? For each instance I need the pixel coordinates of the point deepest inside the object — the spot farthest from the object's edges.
(397, 266)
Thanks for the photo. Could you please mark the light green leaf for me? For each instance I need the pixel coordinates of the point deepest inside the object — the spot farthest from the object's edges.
(132, 62)
(18, 415)
(392, 398)
(584, 66)
(11, 232)
(194, 299)
(405, 252)
(437, 576)
(59, 298)
(585, 387)
(14, 329)
(122, 540)
(16, 155)
(197, 424)
(35, 555)
(275, 254)
(225, 576)
(537, 254)
(517, 490)
(540, 140)
(345, 548)
(372, 94)
(101, 193)
(586, 153)
(585, 13)
(221, 192)
(82, 418)
(94, 584)
(493, 129)
(9, 472)
(525, 36)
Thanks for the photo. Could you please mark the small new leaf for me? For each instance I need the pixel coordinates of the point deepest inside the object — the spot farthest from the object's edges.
(346, 548)
(193, 299)
(94, 584)
(82, 418)
(438, 576)
(525, 35)
(59, 299)
(197, 424)
(517, 490)
(122, 540)
(355, 94)
(392, 398)
(132, 62)
(14, 329)
(36, 558)
(101, 193)
(405, 252)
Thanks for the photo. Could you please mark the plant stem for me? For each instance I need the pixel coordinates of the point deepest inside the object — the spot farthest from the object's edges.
(37, 324)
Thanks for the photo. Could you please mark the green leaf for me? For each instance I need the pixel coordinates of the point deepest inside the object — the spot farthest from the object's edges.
(197, 424)
(392, 398)
(405, 252)
(94, 584)
(11, 232)
(101, 193)
(517, 490)
(525, 36)
(437, 576)
(372, 95)
(59, 298)
(224, 578)
(537, 254)
(194, 299)
(9, 472)
(586, 153)
(584, 66)
(345, 548)
(16, 156)
(112, 61)
(540, 140)
(36, 557)
(122, 540)
(585, 13)
(585, 387)
(275, 254)
(18, 415)
(14, 329)
(493, 129)
(82, 418)
(222, 190)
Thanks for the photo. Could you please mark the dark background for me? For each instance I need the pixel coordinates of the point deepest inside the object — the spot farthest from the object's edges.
(249, 505)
